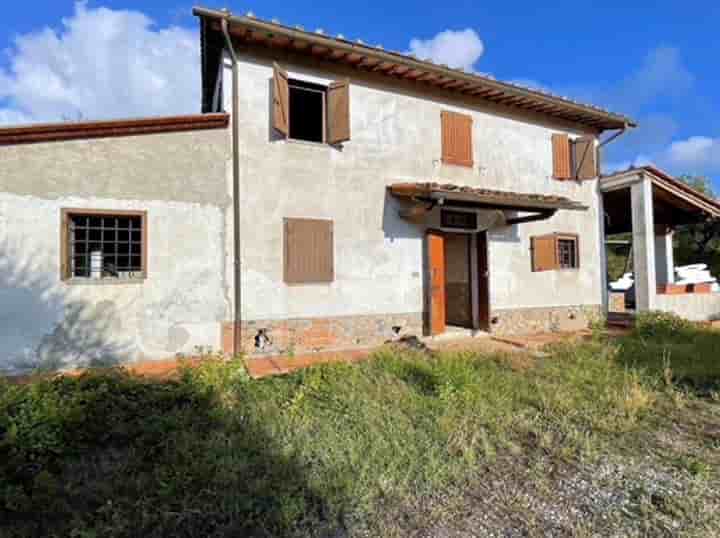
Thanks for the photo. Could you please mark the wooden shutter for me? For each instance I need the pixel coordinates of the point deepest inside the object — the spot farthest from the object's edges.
(585, 158)
(561, 156)
(457, 147)
(281, 101)
(436, 296)
(338, 106)
(544, 253)
(308, 251)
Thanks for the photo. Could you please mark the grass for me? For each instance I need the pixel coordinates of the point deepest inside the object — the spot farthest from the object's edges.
(389, 447)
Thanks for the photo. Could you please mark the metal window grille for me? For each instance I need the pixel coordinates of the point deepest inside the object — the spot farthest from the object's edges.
(567, 253)
(105, 246)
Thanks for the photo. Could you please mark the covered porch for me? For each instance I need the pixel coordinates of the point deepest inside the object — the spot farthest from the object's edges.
(650, 205)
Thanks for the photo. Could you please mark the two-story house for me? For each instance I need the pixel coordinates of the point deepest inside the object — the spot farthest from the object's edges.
(357, 195)
(383, 194)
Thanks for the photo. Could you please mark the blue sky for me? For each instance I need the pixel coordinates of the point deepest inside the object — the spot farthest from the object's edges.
(655, 61)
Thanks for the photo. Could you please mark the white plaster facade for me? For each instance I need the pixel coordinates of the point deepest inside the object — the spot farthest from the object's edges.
(179, 180)
(395, 137)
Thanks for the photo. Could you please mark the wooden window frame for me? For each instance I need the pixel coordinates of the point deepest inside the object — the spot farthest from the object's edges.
(575, 239)
(304, 85)
(65, 265)
(556, 238)
(289, 278)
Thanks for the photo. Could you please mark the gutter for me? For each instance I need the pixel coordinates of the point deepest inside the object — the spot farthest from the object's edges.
(237, 275)
(412, 63)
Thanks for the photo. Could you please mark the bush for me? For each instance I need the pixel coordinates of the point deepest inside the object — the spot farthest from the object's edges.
(661, 325)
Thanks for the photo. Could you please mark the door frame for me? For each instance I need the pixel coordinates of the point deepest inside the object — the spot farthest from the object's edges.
(479, 260)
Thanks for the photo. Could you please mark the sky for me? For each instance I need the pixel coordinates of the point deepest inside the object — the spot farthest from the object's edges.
(655, 61)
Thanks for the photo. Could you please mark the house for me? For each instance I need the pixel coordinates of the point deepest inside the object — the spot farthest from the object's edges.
(331, 195)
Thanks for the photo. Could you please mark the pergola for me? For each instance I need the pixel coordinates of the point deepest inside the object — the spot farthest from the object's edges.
(651, 204)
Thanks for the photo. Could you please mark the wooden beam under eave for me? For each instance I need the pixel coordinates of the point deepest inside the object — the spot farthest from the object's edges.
(317, 50)
(298, 44)
(354, 58)
(426, 77)
(368, 63)
(383, 67)
(412, 74)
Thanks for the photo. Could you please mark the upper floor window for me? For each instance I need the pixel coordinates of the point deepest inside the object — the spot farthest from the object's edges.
(457, 146)
(311, 112)
(104, 244)
(574, 159)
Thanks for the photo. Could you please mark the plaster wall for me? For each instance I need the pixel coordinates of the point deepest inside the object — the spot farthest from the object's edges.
(181, 180)
(692, 306)
(379, 258)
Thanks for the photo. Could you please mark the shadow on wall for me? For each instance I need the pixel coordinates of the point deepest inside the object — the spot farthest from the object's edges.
(46, 326)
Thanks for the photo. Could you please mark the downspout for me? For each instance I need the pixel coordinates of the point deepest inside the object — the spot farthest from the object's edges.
(237, 280)
(603, 247)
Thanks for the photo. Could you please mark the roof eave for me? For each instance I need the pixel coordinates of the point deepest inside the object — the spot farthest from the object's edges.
(597, 119)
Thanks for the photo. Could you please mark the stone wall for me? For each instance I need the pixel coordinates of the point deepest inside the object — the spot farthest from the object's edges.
(320, 334)
(538, 320)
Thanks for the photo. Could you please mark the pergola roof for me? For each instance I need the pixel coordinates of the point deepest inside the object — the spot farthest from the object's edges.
(675, 203)
(483, 198)
(250, 31)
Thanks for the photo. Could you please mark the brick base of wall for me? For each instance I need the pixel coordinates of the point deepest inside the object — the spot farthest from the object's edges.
(305, 335)
(520, 321)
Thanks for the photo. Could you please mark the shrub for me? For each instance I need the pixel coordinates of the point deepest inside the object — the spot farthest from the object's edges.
(661, 324)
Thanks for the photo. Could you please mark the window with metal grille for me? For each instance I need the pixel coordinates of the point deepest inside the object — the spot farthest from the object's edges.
(104, 245)
(567, 253)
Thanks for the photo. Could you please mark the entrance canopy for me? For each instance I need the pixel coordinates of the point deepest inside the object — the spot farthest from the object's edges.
(427, 195)
(674, 203)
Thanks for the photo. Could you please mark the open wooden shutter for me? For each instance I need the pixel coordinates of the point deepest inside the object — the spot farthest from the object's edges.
(281, 101)
(585, 158)
(544, 253)
(457, 147)
(338, 105)
(562, 168)
(436, 293)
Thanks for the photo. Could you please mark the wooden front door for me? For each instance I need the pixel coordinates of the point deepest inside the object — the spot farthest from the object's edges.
(436, 266)
(483, 282)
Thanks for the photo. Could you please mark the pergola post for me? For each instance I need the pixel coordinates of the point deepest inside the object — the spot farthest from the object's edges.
(664, 259)
(643, 244)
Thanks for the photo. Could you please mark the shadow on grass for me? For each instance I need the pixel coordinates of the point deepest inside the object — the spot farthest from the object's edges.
(114, 456)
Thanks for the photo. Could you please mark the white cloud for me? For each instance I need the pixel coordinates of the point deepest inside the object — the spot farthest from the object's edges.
(101, 63)
(696, 152)
(455, 48)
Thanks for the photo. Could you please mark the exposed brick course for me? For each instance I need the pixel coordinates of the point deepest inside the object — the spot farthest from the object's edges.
(543, 320)
(304, 335)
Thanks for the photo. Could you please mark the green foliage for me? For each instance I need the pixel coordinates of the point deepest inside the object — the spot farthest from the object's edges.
(656, 324)
(213, 454)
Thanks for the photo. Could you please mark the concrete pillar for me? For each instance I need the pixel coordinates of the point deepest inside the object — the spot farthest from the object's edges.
(605, 297)
(664, 259)
(643, 245)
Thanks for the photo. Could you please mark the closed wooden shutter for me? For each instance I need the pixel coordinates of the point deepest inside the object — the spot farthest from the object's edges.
(585, 157)
(338, 105)
(562, 168)
(281, 101)
(457, 146)
(308, 251)
(544, 253)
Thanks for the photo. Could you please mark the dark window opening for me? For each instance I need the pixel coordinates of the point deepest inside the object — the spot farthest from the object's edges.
(307, 111)
(567, 253)
(458, 219)
(101, 246)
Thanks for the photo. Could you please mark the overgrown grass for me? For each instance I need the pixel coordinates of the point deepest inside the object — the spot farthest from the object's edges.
(326, 449)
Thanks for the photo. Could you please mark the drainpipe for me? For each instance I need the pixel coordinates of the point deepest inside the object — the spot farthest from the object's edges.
(615, 136)
(603, 248)
(237, 281)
